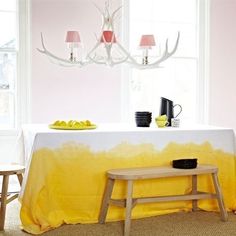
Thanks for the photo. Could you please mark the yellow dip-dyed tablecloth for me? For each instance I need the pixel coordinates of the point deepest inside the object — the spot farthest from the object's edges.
(65, 176)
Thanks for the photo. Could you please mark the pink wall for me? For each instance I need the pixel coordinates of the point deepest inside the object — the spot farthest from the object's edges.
(222, 110)
(92, 92)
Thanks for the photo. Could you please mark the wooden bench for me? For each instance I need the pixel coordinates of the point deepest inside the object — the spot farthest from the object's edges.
(132, 174)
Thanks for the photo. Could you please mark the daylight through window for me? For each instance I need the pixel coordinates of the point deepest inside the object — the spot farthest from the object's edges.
(8, 63)
(178, 78)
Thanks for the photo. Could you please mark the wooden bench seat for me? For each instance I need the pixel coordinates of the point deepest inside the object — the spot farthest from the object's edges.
(132, 174)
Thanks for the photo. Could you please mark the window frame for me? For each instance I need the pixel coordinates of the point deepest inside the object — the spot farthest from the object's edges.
(202, 90)
(23, 71)
(204, 55)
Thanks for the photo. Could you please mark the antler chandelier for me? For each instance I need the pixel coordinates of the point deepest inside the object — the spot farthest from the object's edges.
(114, 52)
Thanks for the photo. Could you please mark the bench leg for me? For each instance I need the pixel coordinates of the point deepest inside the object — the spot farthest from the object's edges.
(105, 201)
(3, 201)
(219, 195)
(194, 191)
(128, 207)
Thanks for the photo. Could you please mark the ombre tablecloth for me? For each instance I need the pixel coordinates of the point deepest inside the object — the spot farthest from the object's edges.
(65, 176)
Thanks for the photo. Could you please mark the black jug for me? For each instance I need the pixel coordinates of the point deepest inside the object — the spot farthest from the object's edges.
(167, 108)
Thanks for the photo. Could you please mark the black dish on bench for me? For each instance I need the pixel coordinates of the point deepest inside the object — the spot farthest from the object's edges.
(185, 163)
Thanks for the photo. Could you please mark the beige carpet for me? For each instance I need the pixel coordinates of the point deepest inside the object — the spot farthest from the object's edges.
(178, 224)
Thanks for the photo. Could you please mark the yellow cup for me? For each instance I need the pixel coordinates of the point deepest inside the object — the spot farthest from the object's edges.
(162, 118)
(162, 123)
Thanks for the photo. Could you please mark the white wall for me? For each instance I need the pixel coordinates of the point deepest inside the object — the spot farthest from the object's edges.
(92, 92)
(222, 99)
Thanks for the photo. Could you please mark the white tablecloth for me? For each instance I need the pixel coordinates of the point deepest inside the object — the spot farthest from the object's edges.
(87, 154)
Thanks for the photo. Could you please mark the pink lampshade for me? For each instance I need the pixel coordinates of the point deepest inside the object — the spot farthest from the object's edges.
(109, 37)
(147, 40)
(72, 37)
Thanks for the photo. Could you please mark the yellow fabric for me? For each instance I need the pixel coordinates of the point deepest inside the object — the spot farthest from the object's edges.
(65, 185)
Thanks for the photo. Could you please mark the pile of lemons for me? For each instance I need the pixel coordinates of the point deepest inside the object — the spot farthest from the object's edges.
(73, 123)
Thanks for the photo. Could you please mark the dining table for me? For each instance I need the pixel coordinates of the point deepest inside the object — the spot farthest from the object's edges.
(65, 173)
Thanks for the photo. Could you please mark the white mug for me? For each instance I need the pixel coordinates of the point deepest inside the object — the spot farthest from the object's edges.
(175, 122)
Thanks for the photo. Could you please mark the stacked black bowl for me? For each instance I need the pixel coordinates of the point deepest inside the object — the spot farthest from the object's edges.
(143, 118)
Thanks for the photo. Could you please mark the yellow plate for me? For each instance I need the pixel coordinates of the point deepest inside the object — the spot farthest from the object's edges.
(72, 128)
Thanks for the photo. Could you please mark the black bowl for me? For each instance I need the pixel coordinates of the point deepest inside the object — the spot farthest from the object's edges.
(143, 113)
(143, 116)
(149, 120)
(185, 163)
(143, 123)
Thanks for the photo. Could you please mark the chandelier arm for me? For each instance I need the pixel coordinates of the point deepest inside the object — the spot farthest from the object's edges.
(107, 17)
(95, 61)
(96, 36)
(166, 53)
(128, 56)
(99, 9)
(59, 60)
(102, 13)
(50, 55)
(108, 51)
(107, 3)
(112, 62)
(155, 64)
(114, 13)
(111, 22)
(121, 61)
(92, 50)
(109, 60)
(104, 62)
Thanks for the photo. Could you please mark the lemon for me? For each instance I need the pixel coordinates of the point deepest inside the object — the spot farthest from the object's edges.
(62, 123)
(75, 123)
(88, 123)
(70, 123)
(83, 123)
(57, 122)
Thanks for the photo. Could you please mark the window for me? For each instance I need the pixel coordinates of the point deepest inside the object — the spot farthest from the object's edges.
(13, 41)
(181, 77)
(8, 55)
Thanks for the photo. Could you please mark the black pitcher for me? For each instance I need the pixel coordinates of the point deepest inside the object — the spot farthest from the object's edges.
(167, 108)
